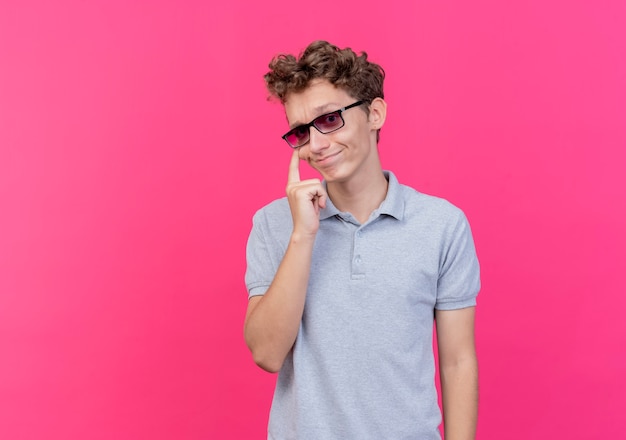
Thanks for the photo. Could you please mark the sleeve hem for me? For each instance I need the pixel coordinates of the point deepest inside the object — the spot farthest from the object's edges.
(455, 305)
(257, 290)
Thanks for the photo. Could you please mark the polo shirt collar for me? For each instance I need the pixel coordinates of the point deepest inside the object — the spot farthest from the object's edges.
(393, 204)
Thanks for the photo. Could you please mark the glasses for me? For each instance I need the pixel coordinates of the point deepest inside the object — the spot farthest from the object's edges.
(325, 124)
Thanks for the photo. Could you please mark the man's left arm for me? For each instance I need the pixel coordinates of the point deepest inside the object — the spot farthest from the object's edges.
(458, 368)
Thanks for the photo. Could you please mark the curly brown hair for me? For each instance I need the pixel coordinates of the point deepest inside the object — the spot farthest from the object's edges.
(343, 68)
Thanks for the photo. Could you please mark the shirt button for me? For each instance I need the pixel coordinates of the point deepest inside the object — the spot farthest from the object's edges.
(357, 260)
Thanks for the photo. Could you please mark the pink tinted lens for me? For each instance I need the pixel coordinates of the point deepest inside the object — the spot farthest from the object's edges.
(328, 122)
(298, 136)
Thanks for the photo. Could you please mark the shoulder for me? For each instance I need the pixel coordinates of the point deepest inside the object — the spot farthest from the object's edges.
(432, 217)
(404, 200)
(433, 208)
(275, 208)
(275, 216)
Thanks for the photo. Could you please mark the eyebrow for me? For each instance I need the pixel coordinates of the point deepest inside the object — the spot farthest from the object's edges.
(320, 110)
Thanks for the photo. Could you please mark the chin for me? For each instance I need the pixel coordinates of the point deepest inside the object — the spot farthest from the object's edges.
(333, 176)
(337, 173)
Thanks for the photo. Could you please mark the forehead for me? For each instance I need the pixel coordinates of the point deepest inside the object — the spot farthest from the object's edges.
(318, 98)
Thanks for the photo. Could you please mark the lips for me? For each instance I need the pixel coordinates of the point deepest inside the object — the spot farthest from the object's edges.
(326, 159)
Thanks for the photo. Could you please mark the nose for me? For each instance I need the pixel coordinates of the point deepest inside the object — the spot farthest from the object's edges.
(317, 141)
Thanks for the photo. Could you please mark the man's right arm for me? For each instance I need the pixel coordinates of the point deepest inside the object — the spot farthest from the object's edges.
(273, 319)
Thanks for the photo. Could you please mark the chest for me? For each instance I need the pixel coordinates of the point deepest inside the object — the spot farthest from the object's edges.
(382, 277)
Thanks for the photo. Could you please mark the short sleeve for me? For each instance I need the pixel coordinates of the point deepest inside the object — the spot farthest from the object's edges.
(265, 248)
(459, 271)
(257, 259)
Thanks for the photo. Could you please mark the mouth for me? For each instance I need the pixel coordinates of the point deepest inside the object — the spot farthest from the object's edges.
(326, 159)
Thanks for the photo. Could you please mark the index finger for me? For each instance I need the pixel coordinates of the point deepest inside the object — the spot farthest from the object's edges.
(294, 170)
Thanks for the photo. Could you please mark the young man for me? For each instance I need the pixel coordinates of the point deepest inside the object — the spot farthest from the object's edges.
(347, 275)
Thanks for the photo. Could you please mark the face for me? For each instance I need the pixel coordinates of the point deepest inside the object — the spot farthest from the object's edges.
(348, 153)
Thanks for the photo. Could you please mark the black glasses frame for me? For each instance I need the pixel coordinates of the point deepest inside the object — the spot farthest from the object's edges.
(320, 117)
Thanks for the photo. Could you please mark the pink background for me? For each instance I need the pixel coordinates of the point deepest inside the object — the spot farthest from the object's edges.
(136, 143)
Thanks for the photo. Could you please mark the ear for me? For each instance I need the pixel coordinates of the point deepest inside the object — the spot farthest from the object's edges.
(378, 113)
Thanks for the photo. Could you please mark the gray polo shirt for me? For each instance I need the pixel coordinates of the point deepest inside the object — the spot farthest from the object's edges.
(362, 366)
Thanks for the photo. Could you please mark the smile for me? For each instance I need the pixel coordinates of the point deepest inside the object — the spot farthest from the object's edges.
(326, 159)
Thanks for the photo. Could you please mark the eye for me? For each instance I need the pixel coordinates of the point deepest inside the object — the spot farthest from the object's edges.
(330, 118)
(328, 121)
(301, 132)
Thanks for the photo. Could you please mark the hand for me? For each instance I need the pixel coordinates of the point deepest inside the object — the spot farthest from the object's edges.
(305, 199)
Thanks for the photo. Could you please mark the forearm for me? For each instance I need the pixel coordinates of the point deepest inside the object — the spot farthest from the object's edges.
(272, 324)
(459, 384)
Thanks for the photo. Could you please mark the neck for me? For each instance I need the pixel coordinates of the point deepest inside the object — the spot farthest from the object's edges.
(359, 198)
